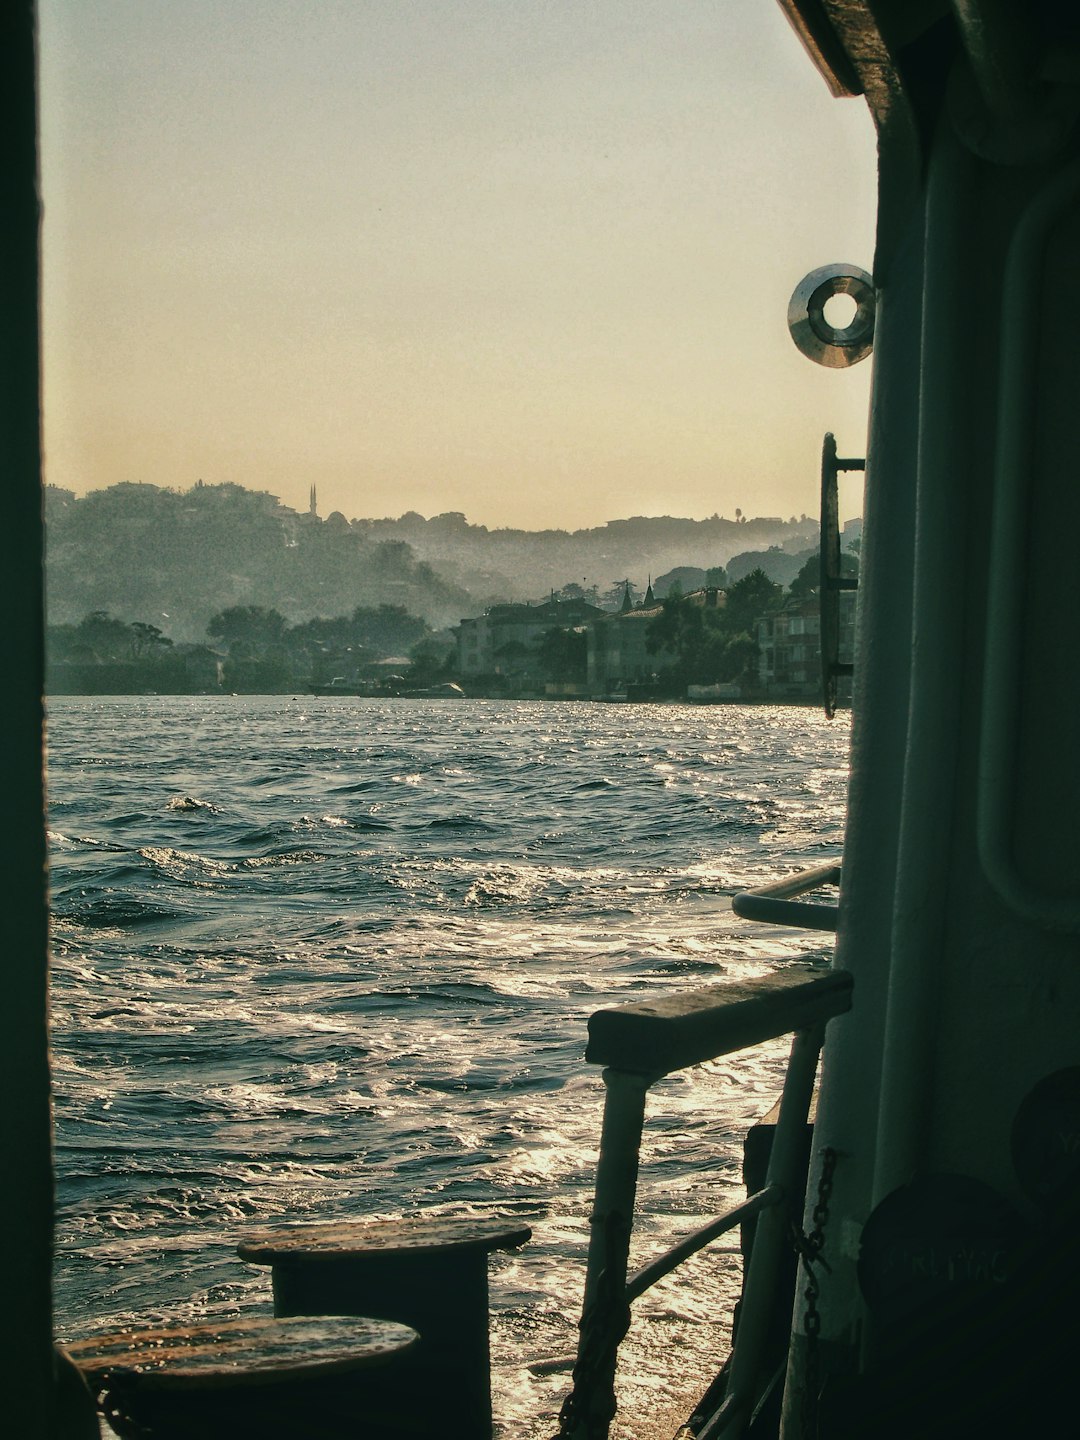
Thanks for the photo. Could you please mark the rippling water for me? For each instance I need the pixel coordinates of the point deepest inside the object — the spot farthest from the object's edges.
(329, 958)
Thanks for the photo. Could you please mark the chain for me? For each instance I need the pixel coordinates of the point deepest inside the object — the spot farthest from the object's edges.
(588, 1409)
(809, 1248)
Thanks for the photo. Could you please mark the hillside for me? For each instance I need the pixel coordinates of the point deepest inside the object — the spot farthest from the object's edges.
(175, 558)
(522, 564)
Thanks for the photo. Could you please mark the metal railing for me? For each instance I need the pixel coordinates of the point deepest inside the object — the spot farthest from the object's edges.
(638, 1045)
(773, 903)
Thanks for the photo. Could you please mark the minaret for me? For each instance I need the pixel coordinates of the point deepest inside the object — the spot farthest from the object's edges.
(312, 508)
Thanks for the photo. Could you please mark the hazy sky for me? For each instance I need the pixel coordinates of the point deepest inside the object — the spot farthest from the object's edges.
(527, 259)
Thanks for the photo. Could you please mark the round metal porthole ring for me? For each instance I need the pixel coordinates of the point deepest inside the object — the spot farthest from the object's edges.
(832, 345)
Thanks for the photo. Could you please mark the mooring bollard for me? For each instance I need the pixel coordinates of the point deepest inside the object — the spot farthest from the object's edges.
(428, 1272)
(273, 1378)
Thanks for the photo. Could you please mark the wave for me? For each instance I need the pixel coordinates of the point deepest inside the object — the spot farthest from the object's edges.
(88, 842)
(298, 856)
(126, 819)
(187, 804)
(323, 1008)
(459, 822)
(120, 912)
(185, 866)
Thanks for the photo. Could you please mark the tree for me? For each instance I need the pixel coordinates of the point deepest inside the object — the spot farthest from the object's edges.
(679, 628)
(146, 640)
(808, 580)
(389, 629)
(615, 597)
(338, 633)
(432, 659)
(252, 627)
(572, 591)
(258, 663)
(711, 643)
(62, 642)
(563, 655)
(514, 659)
(102, 633)
(740, 660)
(753, 595)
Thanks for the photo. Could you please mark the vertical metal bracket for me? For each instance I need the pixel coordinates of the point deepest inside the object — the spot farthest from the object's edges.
(831, 580)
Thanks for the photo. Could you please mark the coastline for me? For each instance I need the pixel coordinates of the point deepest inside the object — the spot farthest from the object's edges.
(810, 701)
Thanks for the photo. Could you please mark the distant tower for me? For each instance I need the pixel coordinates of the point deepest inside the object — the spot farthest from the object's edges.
(650, 598)
(312, 507)
(627, 603)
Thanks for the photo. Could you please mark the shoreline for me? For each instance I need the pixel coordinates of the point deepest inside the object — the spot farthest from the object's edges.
(804, 701)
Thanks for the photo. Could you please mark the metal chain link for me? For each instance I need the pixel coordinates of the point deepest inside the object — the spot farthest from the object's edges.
(603, 1325)
(809, 1248)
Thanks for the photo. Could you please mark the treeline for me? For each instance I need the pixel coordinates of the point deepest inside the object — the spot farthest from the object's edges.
(251, 649)
(254, 649)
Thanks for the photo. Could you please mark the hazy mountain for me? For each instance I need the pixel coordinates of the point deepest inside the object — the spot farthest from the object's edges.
(173, 558)
(686, 578)
(781, 566)
(523, 564)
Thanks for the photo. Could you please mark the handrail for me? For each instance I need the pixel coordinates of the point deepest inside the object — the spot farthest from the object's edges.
(772, 904)
(648, 1275)
(645, 1278)
(639, 1044)
(655, 1037)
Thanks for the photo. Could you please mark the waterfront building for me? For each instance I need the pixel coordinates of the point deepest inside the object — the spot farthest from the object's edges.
(502, 641)
(789, 647)
(619, 659)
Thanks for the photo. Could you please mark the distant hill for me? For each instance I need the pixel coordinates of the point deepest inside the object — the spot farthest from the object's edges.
(523, 564)
(687, 578)
(174, 558)
(781, 566)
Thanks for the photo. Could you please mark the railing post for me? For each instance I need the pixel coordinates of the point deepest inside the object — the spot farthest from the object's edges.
(605, 1314)
(769, 1238)
(639, 1044)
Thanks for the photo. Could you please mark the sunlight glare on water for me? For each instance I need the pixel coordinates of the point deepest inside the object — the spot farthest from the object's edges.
(329, 958)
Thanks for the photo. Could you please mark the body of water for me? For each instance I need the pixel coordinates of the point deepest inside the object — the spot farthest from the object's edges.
(329, 958)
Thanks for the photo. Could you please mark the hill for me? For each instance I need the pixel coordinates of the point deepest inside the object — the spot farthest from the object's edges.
(174, 558)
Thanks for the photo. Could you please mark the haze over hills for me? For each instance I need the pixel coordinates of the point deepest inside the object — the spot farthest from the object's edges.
(525, 564)
(174, 558)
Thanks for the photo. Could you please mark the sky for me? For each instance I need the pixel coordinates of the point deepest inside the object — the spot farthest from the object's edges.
(525, 259)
